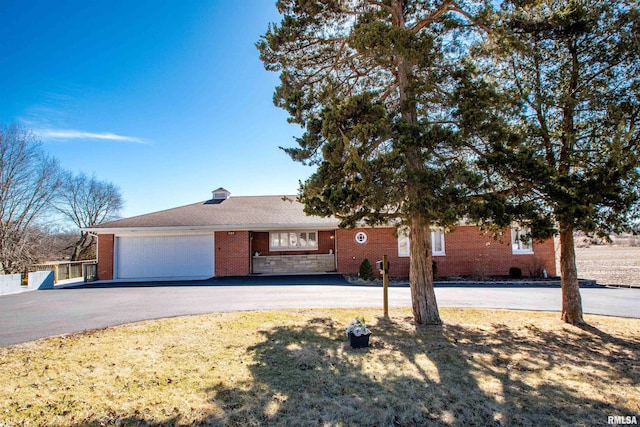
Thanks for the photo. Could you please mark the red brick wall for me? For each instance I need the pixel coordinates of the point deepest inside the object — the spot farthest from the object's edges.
(468, 253)
(380, 241)
(260, 243)
(105, 256)
(232, 253)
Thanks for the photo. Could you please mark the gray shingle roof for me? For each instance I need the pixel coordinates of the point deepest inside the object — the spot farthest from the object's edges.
(251, 212)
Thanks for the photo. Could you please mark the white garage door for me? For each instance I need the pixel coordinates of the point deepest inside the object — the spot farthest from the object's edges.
(159, 257)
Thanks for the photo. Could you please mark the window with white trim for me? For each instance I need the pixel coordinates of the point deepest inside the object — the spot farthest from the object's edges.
(437, 242)
(293, 240)
(361, 237)
(521, 240)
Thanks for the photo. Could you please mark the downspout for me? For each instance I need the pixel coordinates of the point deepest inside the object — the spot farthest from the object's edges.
(335, 250)
(250, 252)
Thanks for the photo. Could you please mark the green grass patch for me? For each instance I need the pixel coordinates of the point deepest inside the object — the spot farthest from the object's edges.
(483, 367)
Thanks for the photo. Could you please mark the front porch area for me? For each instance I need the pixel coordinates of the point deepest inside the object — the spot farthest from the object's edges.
(287, 264)
(293, 252)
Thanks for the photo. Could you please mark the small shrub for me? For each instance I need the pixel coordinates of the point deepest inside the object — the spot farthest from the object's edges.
(536, 268)
(480, 268)
(515, 272)
(434, 267)
(366, 271)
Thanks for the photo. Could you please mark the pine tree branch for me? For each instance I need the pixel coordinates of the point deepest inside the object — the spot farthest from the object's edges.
(380, 5)
(447, 6)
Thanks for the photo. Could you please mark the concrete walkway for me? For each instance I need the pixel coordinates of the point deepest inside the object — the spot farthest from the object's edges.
(30, 316)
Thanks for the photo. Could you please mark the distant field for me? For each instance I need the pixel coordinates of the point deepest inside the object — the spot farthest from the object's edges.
(610, 265)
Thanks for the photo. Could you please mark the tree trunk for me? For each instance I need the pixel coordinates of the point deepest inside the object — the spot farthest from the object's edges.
(79, 246)
(88, 251)
(571, 301)
(423, 297)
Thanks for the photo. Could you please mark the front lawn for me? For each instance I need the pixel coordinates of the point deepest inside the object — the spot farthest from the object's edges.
(484, 367)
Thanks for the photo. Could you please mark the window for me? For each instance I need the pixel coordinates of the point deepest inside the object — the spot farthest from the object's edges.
(437, 242)
(403, 242)
(293, 240)
(361, 237)
(220, 194)
(521, 240)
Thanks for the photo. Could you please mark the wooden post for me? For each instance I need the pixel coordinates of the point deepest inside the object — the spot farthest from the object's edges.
(385, 285)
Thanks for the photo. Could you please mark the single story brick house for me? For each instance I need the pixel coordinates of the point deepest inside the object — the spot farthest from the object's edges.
(239, 236)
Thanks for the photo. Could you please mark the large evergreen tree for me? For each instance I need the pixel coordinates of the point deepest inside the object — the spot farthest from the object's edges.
(372, 84)
(572, 71)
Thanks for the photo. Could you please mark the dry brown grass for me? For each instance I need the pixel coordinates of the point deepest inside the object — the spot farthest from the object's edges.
(295, 368)
(610, 265)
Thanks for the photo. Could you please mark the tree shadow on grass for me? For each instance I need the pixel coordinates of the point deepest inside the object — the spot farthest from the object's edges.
(415, 376)
(531, 365)
(450, 375)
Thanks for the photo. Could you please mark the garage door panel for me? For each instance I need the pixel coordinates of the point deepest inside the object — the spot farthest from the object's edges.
(165, 257)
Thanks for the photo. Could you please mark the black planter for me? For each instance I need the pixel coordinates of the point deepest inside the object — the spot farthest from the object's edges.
(359, 342)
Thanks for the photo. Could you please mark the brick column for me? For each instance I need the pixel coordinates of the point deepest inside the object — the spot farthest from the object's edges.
(105, 256)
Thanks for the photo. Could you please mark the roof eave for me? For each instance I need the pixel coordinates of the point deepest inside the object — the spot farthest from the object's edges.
(225, 227)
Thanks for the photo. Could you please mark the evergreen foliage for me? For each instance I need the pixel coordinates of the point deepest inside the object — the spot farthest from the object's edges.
(366, 270)
(413, 117)
(566, 76)
(373, 85)
(515, 272)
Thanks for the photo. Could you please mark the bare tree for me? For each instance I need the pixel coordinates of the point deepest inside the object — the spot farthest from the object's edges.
(29, 181)
(87, 202)
(54, 244)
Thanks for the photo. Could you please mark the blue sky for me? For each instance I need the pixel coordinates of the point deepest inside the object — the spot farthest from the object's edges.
(166, 98)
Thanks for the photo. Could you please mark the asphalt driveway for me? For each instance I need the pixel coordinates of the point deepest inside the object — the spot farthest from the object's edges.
(33, 315)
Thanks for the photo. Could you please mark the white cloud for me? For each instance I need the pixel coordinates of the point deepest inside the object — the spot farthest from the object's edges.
(78, 134)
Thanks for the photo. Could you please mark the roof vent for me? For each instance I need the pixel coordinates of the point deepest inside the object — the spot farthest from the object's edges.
(220, 194)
